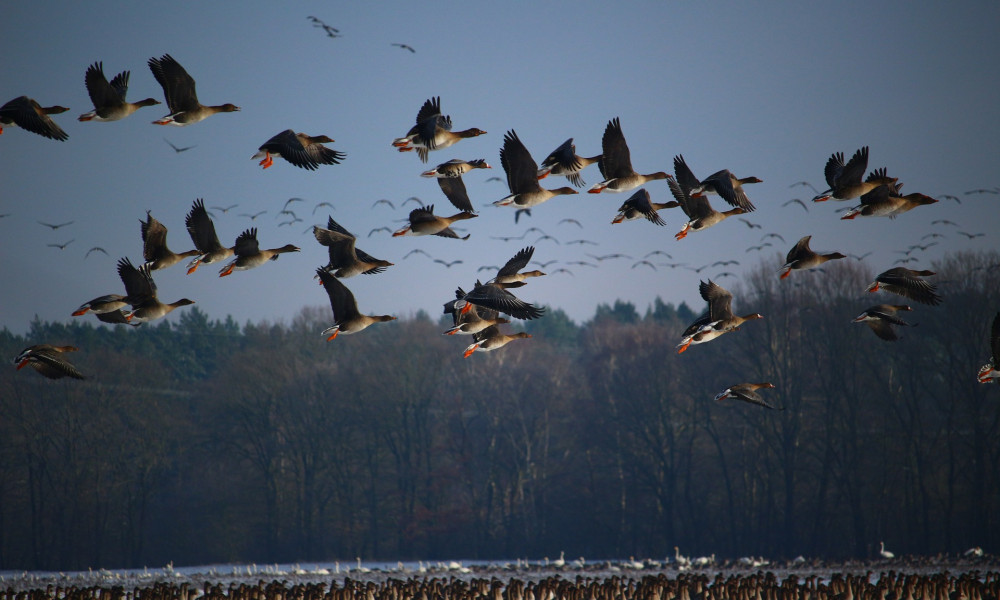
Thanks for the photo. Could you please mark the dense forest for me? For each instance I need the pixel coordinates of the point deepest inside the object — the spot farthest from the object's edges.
(202, 441)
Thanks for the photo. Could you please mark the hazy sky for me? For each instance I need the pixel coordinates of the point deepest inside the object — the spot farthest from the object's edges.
(769, 89)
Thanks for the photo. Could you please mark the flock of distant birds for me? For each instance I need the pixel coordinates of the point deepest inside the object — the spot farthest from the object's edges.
(476, 312)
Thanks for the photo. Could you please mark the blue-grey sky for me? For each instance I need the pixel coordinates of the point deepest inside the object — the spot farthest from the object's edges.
(764, 89)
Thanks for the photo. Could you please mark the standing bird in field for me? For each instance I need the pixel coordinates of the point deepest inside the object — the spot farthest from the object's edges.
(802, 257)
(179, 90)
(907, 283)
(881, 317)
(27, 114)
(347, 318)
(47, 360)
(303, 151)
(565, 161)
(249, 255)
(109, 98)
(747, 392)
(522, 176)
(616, 163)
(988, 373)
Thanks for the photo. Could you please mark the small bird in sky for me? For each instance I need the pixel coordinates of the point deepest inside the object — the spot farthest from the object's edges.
(799, 202)
(224, 209)
(384, 201)
(61, 246)
(178, 150)
(55, 226)
(405, 47)
(448, 264)
(253, 217)
(315, 208)
(95, 249)
(330, 31)
(971, 235)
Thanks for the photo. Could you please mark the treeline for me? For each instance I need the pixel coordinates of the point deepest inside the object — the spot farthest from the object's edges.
(200, 441)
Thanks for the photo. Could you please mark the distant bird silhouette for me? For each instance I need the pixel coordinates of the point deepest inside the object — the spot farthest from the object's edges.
(332, 32)
(61, 246)
(521, 211)
(448, 264)
(494, 178)
(932, 236)
(544, 264)
(574, 221)
(413, 198)
(772, 235)
(224, 209)
(971, 235)
(548, 237)
(290, 200)
(944, 222)
(982, 191)
(950, 197)
(725, 274)
(805, 184)
(856, 257)
(751, 225)
(253, 217)
(176, 149)
(609, 256)
(644, 262)
(95, 249)
(384, 201)
(725, 263)
(323, 204)
(563, 271)
(405, 47)
(582, 263)
(54, 227)
(799, 202)
(657, 252)
(487, 268)
(581, 242)
(379, 229)
(416, 251)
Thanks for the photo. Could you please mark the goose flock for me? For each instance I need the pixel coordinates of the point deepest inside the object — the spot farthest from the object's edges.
(476, 312)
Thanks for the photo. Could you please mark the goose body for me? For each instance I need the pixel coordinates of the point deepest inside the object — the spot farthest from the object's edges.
(615, 163)
(249, 255)
(522, 176)
(845, 179)
(154, 245)
(887, 201)
(881, 317)
(802, 257)
(700, 213)
(907, 283)
(179, 90)
(566, 162)
(109, 97)
(423, 221)
(346, 260)
(640, 206)
(27, 114)
(747, 392)
(202, 231)
(303, 151)
(347, 318)
(717, 321)
(140, 290)
(491, 339)
(48, 361)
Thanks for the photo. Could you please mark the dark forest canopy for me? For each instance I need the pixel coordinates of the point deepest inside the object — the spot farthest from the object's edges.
(202, 441)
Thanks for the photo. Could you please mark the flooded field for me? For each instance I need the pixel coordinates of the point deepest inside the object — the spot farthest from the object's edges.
(940, 577)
